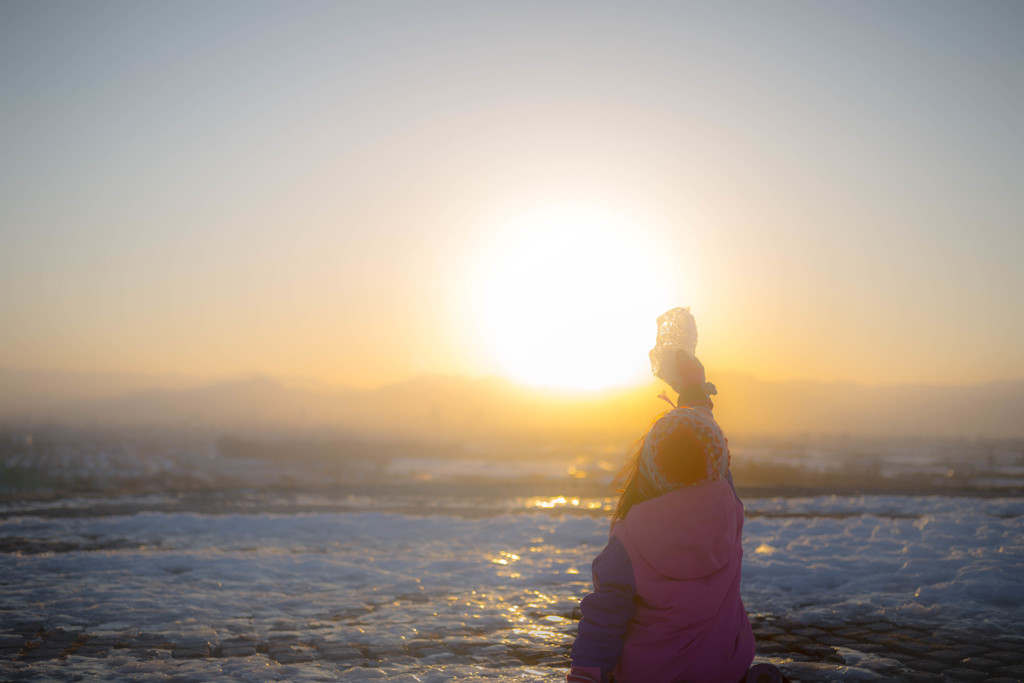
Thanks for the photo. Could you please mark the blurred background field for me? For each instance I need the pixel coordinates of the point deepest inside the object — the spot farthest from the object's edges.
(57, 461)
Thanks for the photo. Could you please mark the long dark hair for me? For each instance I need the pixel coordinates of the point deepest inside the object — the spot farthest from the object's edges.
(627, 481)
(683, 445)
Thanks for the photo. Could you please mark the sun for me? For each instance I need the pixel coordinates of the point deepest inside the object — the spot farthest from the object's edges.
(569, 298)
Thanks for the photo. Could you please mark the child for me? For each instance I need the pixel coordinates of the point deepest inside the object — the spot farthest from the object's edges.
(666, 603)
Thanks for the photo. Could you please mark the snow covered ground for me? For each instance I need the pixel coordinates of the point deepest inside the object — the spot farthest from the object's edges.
(432, 595)
(212, 567)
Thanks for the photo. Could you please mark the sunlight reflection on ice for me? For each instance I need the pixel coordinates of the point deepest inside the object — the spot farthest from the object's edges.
(426, 593)
(563, 502)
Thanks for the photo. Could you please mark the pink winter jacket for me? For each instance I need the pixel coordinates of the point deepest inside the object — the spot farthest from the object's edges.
(666, 603)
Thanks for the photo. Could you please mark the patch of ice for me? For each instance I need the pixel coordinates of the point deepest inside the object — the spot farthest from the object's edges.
(482, 585)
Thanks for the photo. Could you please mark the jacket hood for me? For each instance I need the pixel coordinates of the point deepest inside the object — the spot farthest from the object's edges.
(687, 533)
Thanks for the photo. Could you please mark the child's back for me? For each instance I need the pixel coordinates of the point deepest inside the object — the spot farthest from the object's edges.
(666, 604)
(685, 553)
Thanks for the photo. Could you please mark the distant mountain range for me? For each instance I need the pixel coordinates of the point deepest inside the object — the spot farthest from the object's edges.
(453, 407)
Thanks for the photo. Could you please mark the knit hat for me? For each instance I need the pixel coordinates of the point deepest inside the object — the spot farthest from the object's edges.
(685, 447)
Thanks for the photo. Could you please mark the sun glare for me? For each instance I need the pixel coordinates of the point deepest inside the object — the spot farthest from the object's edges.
(570, 298)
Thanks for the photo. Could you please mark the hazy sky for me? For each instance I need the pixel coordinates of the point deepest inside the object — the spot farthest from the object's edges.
(329, 189)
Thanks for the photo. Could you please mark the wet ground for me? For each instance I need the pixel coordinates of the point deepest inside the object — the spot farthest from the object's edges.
(433, 588)
(804, 653)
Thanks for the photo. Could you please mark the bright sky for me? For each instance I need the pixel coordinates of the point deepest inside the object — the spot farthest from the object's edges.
(361, 192)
